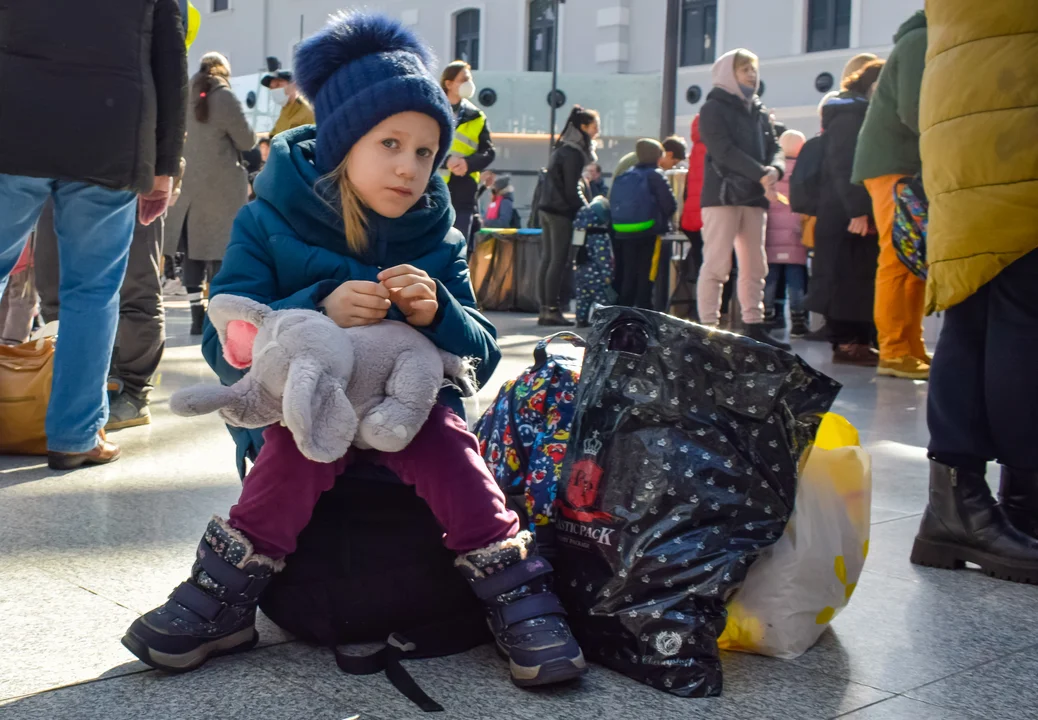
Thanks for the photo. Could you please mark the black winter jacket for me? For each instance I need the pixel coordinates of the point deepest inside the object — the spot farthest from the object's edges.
(103, 89)
(463, 188)
(843, 272)
(563, 192)
(739, 141)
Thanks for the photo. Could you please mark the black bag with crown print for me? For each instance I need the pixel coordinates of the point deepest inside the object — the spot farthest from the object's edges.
(681, 468)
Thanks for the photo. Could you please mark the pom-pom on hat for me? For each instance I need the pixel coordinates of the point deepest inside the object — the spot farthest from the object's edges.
(360, 69)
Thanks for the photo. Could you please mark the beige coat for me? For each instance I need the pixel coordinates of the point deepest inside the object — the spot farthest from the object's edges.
(216, 185)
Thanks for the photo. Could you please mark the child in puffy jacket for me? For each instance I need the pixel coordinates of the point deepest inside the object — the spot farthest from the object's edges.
(352, 221)
(501, 211)
(787, 256)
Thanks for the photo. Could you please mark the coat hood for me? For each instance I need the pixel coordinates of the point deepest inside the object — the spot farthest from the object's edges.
(723, 76)
(291, 184)
(916, 22)
(845, 102)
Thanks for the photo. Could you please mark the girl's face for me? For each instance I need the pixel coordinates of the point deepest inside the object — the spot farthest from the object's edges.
(746, 75)
(591, 129)
(390, 166)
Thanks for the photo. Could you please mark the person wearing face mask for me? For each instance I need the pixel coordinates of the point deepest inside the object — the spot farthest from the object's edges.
(472, 149)
(743, 163)
(295, 110)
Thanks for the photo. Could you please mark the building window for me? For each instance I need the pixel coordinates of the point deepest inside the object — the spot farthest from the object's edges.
(828, 25)
(221, 5)
(466, 37)
(698, 31)
(541, 36)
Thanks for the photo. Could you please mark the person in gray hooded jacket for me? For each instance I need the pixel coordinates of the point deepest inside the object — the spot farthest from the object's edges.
(743, 163)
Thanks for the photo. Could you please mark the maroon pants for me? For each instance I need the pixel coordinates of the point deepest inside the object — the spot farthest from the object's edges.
(442, 464)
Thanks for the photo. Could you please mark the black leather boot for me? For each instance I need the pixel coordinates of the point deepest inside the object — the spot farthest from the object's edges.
(759, 332)
(197, 318)
(553, 317)
(1018, 495)
(963, 523)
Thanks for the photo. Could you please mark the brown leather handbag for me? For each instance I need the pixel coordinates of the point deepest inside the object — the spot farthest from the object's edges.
(26, 372)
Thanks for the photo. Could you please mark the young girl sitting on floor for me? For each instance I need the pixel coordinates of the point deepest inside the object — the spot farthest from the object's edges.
(375, 242)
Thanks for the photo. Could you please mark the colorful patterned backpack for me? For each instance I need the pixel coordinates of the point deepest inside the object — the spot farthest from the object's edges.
(910, 218)
(524, 434)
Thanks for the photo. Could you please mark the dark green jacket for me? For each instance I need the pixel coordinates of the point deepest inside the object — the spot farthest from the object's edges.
(889, 139)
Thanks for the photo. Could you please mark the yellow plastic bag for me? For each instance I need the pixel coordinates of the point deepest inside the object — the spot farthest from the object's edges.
(798, 585)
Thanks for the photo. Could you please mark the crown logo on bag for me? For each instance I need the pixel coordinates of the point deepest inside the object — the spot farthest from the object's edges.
(592, 446)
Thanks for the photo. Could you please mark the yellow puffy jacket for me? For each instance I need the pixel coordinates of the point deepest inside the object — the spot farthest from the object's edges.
(979, 120)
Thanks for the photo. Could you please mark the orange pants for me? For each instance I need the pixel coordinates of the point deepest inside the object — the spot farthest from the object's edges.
(898, 307)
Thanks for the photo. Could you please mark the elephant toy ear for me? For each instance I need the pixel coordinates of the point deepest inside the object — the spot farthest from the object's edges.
(237, 320)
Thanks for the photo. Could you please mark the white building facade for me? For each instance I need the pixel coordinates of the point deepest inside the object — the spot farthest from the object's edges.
(610, 59)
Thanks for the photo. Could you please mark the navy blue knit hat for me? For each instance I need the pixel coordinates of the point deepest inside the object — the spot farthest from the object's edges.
(360, 69)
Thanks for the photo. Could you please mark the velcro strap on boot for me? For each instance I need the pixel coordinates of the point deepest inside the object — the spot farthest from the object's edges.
(197, 601)
(530, 607)
(511, 577)
(237, 581)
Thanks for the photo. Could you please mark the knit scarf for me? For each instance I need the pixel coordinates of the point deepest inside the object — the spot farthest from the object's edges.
(577, 138)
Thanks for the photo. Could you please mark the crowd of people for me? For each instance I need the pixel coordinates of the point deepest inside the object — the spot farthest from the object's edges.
(363, 211)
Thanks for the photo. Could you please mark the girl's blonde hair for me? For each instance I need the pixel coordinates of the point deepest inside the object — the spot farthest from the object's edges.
(352, 207)
(745, 57)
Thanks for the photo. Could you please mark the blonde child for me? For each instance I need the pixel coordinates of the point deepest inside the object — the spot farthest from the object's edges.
(351, 221)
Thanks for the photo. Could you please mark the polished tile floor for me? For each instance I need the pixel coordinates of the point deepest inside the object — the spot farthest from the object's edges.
(82, 554)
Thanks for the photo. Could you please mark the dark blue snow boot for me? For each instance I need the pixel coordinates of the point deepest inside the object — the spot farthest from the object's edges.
(213, 612)
(525, 616)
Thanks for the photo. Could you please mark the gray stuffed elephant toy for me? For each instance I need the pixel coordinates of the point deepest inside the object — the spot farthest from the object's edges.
(372, 386)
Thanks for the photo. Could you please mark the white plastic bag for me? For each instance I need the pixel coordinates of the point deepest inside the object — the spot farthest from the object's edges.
(799, 584)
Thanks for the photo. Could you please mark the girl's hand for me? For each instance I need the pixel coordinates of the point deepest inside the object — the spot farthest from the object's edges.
(413, 291)
(859, 225)
(356, 303)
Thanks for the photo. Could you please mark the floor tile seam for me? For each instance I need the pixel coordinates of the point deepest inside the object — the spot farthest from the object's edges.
(88, 681)
(101, 595)
(863, 707)
(905, 691)
(902, 695)
(845, 678)
(294, 681)
(364, 711)
(970, 668)
(890, 520)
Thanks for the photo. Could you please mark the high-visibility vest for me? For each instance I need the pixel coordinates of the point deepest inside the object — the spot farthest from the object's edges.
(465, 143)
(192, 19)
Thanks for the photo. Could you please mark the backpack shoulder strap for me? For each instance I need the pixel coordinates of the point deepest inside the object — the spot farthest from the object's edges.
(445, 637)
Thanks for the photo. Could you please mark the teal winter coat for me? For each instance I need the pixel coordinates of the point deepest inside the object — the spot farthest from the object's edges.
(288, 250)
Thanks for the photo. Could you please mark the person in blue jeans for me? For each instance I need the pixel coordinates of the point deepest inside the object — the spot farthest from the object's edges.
(135, 134)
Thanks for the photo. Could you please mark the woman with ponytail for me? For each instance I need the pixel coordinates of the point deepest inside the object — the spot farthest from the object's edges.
(561, 198)
(216, 184)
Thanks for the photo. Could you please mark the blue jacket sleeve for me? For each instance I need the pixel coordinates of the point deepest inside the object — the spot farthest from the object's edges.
(248, 270)
(664, 195)
(459, 327)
